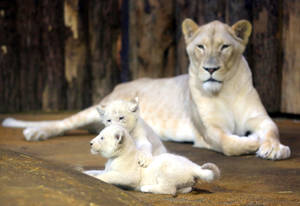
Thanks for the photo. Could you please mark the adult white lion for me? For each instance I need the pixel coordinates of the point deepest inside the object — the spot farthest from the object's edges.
(215, 105)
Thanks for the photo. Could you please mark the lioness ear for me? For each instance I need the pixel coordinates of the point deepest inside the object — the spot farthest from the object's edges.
(189, 27)
(101, 111)
(242, 29)
(134, 104)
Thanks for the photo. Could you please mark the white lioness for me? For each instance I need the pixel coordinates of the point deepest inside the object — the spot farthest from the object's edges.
(215, 105)
(166, 174)
(126, 114)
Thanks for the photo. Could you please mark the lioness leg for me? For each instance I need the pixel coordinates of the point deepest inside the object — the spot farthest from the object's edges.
(267, 131)
(230, 144)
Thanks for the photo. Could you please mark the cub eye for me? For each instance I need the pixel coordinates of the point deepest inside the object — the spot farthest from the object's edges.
(121, 118)
(109, 121)
(102, 138)
(224, 46)
(200, 46)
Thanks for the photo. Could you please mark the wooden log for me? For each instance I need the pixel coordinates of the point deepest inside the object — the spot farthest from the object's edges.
(52, 38)
(266, 53)
(9, 59)
(152, 48)
(290, 99)
(104, 32)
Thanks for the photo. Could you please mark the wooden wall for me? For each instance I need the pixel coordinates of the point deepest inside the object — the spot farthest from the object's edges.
(68, 54)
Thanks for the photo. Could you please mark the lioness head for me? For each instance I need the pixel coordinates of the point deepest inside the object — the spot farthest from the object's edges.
(124, 113)
(109, 141)
(214, 50)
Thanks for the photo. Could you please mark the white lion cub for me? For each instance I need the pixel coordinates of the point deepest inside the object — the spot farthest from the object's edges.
(126, 114)
(166, 174)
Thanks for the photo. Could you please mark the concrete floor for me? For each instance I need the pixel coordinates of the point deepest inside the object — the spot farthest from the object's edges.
(246, 180)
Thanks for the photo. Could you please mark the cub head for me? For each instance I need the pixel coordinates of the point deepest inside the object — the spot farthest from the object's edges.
(124, 113)
(109, 141)
(215, 50)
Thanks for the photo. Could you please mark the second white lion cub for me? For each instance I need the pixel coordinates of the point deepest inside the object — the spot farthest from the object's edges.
(166, 174)
(126, 114)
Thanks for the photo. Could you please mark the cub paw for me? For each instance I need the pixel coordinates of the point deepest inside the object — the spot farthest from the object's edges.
(38, 133)
(146, 188)
(273, 151)
(144, 159)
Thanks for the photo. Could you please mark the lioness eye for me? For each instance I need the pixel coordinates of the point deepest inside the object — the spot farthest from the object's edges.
(121, 118)
(200, 46)
(224, 46)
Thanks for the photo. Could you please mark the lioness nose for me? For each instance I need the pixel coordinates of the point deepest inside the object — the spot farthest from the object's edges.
(211, 70)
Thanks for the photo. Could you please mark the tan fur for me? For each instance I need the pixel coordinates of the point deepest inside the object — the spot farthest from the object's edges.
(214, 114)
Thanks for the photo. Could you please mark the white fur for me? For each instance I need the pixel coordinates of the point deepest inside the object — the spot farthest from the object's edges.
(217, 114)
(126, 114)
(166, 174)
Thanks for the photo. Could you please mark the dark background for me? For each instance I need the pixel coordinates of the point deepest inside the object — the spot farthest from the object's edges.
(68, 54)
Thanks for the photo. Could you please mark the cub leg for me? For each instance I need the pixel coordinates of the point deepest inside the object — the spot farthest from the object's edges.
(267, 131)
(184, 190)
(117, 178)
(159, 189)
(93, 173)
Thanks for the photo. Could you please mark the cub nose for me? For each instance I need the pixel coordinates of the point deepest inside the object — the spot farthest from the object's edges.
(211, 70)
(91, 143)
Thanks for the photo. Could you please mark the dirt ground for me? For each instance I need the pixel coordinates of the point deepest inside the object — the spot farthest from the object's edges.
(246, 180)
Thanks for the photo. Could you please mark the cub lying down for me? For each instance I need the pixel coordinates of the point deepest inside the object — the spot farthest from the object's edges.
(166, 174)
(126, 114)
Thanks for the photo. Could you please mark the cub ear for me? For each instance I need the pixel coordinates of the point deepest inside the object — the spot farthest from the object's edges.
(134, 106)
(119, 136)
(189, 27)
(101, 111)
(242, 29)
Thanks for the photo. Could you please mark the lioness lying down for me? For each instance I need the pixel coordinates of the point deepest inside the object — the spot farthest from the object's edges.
(166, 174)
(215, 105)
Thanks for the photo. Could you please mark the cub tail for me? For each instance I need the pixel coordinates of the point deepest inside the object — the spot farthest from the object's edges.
(208, 172)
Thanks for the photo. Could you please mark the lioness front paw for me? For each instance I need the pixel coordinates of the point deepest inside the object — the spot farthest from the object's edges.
(144, 159)
(273, 151)
(38, 133)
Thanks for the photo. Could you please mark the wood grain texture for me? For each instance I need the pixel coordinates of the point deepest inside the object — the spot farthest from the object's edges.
(290, 99)
(266, 57)
(152, 48)
(76, 55)
(9, 64)
(104, 32)
(52, 38)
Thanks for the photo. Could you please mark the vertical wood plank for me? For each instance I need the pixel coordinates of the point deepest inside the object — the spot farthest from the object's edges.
(52, 28)
(31, 69)
(152, 48)
(266, 53)
(290, 99)
(76, 68)
(104, 32)
(9, 64)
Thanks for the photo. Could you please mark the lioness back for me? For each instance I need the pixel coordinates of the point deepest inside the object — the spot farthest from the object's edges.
(163, 104)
